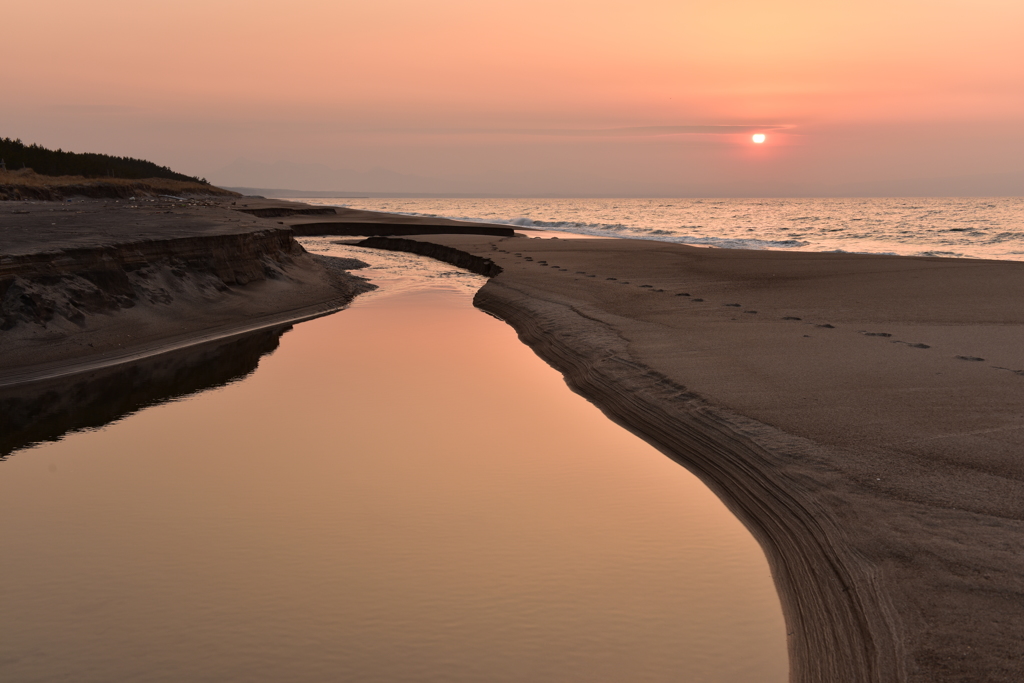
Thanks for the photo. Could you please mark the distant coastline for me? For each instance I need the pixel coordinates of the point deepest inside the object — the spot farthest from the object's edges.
(278, 193)
(1004, 184)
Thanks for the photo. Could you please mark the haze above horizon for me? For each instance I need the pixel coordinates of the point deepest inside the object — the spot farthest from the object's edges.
(533, 98)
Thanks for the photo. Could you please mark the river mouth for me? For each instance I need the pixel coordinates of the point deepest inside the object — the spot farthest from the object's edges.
(400, 492)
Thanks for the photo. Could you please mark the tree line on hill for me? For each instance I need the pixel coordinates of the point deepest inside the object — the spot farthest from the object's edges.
(17, 155)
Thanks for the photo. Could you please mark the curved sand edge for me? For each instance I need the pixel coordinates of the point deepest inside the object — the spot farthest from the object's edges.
(840, 624)
(46, 410)
(864, 415)
(115, 356)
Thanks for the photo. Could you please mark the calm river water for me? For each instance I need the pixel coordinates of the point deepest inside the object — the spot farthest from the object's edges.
(401, 492)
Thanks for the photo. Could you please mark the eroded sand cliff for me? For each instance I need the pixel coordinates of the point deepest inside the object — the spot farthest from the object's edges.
(95, 282)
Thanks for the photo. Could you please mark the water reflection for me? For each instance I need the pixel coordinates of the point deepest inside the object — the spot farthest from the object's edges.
(403, 492)
(47, 410)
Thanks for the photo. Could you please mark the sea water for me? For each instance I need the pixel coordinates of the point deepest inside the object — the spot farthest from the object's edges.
(990, 228)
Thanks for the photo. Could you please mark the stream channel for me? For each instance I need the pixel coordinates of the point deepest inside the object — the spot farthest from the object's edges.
(401, 491)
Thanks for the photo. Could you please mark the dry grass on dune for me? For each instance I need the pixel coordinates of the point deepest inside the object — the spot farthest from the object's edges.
(31, 185)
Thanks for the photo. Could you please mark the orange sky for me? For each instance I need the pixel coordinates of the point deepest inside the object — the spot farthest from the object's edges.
(526, 97)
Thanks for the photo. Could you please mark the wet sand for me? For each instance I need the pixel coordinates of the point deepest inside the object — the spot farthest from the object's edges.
(862, 414)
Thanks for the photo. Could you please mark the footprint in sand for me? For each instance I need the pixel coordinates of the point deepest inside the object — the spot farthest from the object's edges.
(827, 326)
(611, 278)
(683, 294)
(971, 358)
(876, 334)
(643, 286)
(915, 345)
(790, 317)
(735, 305)
(696, 300)
(752, 312)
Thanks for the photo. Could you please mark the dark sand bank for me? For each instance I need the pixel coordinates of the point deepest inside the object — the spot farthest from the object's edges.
(346, 222)
(48, 409)
(864, 415)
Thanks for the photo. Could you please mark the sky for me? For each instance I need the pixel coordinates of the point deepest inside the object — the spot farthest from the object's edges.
(534, 98)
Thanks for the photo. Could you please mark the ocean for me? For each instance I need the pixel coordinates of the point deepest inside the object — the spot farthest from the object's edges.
(961, 227)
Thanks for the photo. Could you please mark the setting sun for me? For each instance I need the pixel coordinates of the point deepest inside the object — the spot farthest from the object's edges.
(759, 138)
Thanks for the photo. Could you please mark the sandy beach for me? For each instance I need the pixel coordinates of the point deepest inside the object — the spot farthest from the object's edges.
(782, 244)
(862, 414)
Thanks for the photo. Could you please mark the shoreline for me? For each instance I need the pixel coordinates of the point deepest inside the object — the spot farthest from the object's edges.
(880, 473)
(950, 227)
